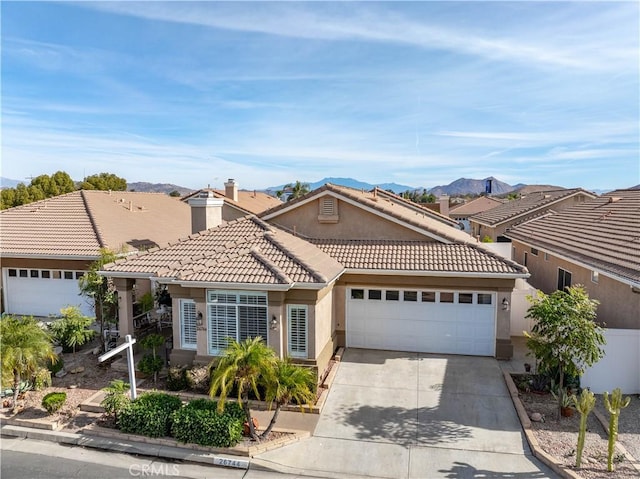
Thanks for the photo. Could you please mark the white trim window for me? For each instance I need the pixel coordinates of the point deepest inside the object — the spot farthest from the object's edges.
(188, 324)
(237, 315)
(298, 330)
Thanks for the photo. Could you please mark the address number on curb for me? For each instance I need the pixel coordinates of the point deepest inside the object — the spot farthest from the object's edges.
(223, 461)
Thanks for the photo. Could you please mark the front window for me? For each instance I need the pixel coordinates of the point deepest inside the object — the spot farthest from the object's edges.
(188, 326)
(564, 279)
(297, 328)
(237, 315)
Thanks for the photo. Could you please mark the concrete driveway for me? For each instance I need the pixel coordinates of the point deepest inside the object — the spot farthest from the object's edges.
(411, 415)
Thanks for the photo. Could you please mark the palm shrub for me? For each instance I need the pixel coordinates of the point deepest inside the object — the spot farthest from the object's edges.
(584, 405)
(149, 415)
(151, 363)
(116, 400)
(614, 405)
(52, 402)
(290, 383)
(25, 347)
(200, 422)
(243, 366)
(72, 329)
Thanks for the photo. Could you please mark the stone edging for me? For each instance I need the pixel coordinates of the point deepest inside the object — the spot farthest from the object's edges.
(547, 459)
(46, 424)
(238, 450)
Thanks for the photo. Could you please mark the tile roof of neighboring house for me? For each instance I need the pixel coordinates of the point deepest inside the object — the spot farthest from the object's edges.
(417, 256)
(475, 206)
(385, 203)
(526, 205)
(251, 202)
(78, 224)
(246, 250)
(603, 233)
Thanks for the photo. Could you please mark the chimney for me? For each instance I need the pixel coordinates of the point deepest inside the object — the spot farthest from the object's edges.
(444, 205)
(206, 211)
(231, 189)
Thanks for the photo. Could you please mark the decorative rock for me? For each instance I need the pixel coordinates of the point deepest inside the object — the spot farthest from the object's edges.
(537, 417)
(77, 370)
(57, 350)
(72, 386)
(60, 374)
(96, 351)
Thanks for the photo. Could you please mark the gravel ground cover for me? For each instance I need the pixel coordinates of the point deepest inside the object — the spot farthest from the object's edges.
(560, 438)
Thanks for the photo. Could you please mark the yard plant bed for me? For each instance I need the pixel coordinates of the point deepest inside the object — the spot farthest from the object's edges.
(559, 438)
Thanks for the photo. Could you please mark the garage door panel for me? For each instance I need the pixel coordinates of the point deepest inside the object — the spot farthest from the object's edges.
(446, 328)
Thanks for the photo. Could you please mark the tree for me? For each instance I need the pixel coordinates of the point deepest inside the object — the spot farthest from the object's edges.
(25, 347)
(152, 363)
(72, 329)
(565, 337)
(290, 383)
(104, 181)
(243, 367)
(175, 194)
(100, 291)
(295, 191)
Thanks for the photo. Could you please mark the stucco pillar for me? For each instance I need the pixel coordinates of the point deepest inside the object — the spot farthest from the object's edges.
(124, 287)
(504, 346)
(277, 330)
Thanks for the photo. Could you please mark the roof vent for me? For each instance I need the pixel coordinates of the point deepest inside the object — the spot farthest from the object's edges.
(613, 199)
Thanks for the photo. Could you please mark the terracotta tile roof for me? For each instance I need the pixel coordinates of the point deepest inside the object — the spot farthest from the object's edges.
(417, 256)
(247, 250)
(78, 224)
(526, 205)
(385, 203)
(603, 233)
(475, 206)
(251, 202)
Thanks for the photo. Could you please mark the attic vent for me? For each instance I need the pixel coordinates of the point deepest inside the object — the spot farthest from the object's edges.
(328, 210)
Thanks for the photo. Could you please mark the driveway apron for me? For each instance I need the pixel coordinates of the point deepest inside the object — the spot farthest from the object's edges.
(412, 415)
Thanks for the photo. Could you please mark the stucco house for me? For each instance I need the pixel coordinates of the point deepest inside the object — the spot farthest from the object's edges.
(336, 267)
(46, 246)
(595, 244)
(462, 212)
(495, 222)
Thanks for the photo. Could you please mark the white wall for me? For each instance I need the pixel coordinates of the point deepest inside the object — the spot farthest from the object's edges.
(519, 306)
(620, 368)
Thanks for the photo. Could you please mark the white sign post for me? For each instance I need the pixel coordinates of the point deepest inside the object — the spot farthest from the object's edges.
(128, 345)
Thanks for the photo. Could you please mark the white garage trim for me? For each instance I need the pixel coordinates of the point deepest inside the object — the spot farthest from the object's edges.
(421, 320)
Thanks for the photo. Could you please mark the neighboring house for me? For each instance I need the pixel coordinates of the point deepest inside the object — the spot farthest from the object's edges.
(238, 203)
(462, 212)
(335, 267)
(595, 244)
(46, 246)
(495, 222)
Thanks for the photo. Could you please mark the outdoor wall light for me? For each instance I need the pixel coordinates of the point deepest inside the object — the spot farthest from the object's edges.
(505, 304)
(274, 322)
(199, 319)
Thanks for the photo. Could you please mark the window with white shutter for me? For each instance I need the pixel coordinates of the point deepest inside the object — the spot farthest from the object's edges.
(298, 330)
(188, 330)
(237, 315)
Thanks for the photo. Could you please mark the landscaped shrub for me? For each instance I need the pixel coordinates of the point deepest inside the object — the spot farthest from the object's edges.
(41, 379)
(198, 379)
(52, 402)
(199, 422)
(115, 399)
(176, 378)
(55, 366)
(149, 415)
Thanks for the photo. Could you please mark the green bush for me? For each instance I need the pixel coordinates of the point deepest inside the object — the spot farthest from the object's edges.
(55, 366)
(52, 402)
(150, 365)
(149, 415)
(177, 379)
(41, 379)
(199, 422)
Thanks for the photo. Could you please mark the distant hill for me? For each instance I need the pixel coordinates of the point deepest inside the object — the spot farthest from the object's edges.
(157, 188)
(528, 189)
(9, 183)
(351, 183)
(465, 186)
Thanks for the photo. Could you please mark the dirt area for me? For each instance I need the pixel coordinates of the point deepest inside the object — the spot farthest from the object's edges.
(560, 439)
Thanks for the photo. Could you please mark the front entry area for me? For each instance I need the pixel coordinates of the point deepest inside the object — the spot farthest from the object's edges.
(427, 321)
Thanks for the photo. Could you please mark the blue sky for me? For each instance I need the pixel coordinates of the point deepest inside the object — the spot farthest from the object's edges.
(420, 93)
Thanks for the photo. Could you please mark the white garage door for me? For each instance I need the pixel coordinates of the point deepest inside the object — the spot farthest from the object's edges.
(443, 322)
(41, 292)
